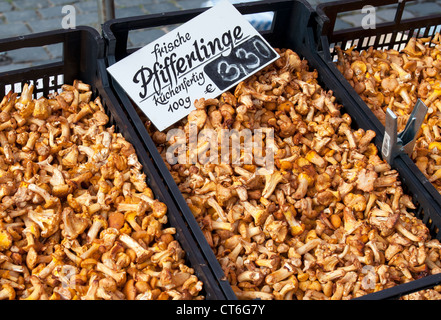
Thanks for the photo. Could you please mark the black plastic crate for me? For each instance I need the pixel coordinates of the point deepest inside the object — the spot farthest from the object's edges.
(293, 27)
(387, 35)
(83, 59)
(392, 34)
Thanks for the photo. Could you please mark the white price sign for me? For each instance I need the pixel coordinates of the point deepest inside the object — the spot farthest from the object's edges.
(204, 57)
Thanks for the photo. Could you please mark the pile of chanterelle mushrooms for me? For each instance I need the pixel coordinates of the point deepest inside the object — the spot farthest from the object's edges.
(395, 80)
(77, 219)
(331, 222)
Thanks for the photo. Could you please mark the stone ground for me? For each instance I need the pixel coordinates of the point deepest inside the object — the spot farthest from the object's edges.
(21, 17)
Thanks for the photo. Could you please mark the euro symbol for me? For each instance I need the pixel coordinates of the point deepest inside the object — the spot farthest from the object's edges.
(209, 89)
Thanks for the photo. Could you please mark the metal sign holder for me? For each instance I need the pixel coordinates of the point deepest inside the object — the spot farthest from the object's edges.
(393, 142)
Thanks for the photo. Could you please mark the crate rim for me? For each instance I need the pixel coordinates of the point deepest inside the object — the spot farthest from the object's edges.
(52, 36)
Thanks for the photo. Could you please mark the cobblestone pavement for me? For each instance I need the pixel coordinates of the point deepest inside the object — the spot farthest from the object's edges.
(21, 17)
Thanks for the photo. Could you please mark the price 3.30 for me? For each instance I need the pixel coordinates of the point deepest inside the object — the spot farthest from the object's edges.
(244, 61)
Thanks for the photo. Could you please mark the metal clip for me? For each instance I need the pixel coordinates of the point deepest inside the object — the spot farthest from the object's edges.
(393, 142)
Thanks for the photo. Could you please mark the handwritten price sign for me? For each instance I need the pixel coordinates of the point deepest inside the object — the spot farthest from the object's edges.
(204, 57)
(244, 59)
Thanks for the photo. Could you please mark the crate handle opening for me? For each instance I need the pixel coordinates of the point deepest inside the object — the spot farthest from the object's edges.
(13, 60)
(328, 13)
